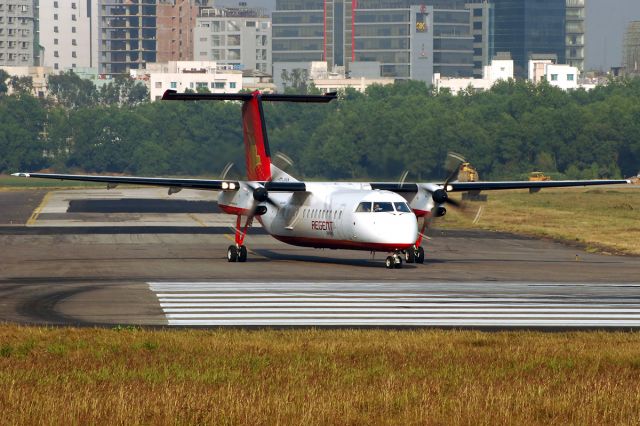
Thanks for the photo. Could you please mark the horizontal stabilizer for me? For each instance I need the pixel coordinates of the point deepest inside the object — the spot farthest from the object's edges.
(172, 95)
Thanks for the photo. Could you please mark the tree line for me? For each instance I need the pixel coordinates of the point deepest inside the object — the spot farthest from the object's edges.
(506, 132)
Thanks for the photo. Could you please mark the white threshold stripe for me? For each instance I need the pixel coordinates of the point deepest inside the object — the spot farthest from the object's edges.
(399, 304)
(445, 322)
(209, 297)
(397, 315)
(403, 309)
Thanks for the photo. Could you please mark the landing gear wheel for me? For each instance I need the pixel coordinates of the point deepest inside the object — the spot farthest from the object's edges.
(389, 262)
(232, 254)
(242, 254)
(419, 255)
(397, 259)
(410, 255)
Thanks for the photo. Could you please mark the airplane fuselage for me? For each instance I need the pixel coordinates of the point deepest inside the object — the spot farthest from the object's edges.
(334, 216)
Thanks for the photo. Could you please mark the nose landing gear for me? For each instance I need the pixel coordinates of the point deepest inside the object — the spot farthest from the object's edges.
(394, 261)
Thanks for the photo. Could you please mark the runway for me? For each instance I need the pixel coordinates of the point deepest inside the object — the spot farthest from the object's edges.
(383, 304)
(73, 265)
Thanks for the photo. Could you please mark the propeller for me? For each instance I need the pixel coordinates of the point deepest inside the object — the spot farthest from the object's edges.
(440, 195)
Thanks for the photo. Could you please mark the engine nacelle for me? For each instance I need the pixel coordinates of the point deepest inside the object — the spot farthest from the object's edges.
(438, 211)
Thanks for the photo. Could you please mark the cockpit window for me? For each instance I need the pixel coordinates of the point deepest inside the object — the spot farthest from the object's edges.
(402, 207)
(382, 207)
(364, 207)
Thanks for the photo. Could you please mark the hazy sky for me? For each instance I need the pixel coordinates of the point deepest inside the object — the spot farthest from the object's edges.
(606, 23)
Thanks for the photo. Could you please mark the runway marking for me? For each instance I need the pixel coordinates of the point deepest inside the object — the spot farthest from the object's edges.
(393, 304)
(34, 216)
(197, 220)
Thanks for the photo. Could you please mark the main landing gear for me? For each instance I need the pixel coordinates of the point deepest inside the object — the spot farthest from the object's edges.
(238, 252)
(414, 255)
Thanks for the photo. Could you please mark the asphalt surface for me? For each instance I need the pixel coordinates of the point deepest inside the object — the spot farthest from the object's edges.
(119, 272)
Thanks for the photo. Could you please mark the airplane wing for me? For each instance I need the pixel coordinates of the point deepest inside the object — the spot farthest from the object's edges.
(405, 187)
(203, 184)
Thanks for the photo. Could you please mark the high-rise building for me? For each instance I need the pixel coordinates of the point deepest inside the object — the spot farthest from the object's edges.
(69, 33)
(575, 30)
(19, 33)
(175, 22)
(127, 35)
(481, 15)
(404, 36)
(238, 37)
(631, 49)
(526, 27)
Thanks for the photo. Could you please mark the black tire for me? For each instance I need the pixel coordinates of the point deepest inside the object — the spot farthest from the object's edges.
(242, 254)
(232, 254)
(419, 255)
(397, 262)
(389, 263)
(410, 255)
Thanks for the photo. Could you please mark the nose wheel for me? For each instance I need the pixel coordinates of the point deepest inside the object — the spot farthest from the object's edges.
(393, 262)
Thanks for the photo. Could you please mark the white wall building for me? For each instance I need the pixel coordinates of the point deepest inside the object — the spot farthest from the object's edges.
(193, 75)
(39, 77)
(499, 69)
(559, 75)
(68, 33)
(238, 37)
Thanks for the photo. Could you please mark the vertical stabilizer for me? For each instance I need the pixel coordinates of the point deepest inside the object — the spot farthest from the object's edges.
(256, 144)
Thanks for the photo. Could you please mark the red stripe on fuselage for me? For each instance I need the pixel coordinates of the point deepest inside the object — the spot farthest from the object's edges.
(341, 244)
(234, 210)
(256, 156)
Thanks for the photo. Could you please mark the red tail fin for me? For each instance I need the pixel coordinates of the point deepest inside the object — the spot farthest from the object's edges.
(256, 145)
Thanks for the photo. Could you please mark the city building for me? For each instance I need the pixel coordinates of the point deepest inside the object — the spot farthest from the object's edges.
(631, 49)
(409, 38)
(500, 68)
(19, 33)
(175, 22)
(563, 76)
(239, 37)
(127, 35)
(39, 77)
(482, 21)
(574, 33)
(189, 75)
(68, 33)
(525, 27)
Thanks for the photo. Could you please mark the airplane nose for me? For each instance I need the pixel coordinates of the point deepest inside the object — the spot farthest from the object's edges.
(399, 230)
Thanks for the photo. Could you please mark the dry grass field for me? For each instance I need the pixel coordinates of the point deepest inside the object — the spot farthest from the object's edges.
(602, 219)
(308, 377)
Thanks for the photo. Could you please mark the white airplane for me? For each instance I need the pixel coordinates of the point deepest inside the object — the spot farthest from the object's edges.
(376, 216)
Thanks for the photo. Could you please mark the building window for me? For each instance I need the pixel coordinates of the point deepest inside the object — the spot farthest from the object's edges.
(570, 77)
(74, 42)
(477, 12)
(554, 77)
(55, 29)
(55, 16)
(73, 17)
(158, 85)
(73, 29)
(55, 66)
(232, 85)
(73, 55)
(73, 5)
(174, 84)
(55, 4)
(55, 41)
(218, 85)
(477, 25)
(55, 54)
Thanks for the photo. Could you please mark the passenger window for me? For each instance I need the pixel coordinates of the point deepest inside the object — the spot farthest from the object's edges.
(364, 207)
(402, 207)
(382, 207)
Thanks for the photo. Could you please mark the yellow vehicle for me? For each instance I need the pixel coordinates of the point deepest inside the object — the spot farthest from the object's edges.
(538, 177)
(467, 173)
